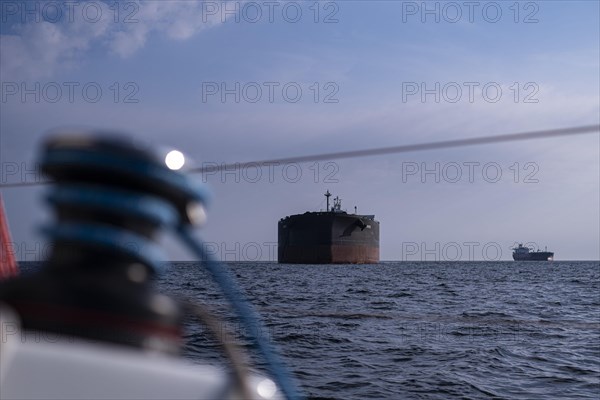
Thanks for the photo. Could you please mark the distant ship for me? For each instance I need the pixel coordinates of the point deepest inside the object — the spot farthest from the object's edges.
(328, 237)
(522, 253)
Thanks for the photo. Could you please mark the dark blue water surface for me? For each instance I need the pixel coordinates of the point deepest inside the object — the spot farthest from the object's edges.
(426, 330)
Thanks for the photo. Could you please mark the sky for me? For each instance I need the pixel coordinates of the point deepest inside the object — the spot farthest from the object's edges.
(241, 81)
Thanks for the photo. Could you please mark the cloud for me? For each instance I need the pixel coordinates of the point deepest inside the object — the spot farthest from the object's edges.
(39, 48)
(179, 20)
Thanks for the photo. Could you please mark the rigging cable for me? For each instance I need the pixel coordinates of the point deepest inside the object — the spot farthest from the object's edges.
(511, 137)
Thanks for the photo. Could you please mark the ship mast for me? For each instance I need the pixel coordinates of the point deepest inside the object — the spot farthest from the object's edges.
(328, 195)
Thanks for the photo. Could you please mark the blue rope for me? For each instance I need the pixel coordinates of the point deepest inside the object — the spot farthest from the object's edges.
(115, 201)
(110, 238)
(126, 165)
(220, 274)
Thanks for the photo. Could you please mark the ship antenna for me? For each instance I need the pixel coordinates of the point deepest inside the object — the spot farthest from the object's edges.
(328, 195)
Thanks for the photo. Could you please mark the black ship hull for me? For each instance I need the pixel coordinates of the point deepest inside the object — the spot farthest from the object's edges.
(534, 256)
(328, 238)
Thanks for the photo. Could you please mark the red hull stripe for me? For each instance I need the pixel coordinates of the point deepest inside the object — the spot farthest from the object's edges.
(8, 264)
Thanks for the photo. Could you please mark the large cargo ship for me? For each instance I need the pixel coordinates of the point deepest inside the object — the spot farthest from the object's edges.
(523, 253)
(328, 237)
